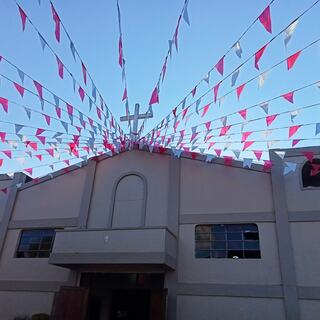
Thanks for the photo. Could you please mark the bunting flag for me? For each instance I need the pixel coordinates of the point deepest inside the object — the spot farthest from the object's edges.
(81, 93)
(295, 142)
(19, 88)
(258, 154)
(3, 136)
(292, 60)
(258, 56)
(60, 67)
(215, 91)
(56, 20)
(205, 109)
(247, 163)
(186, 15)
(245, 135)
(270, 119)
(317, 129)
(267, 165)
(23, 17)
(262, 79)
(39, 89)
(289, 32)
(265, 107)
(309, 155)
(193, 91)
(247, 144)
(84, 73)
(293, 130)
(234, 77)
(224, 130)
(125, 94)
(243, 113)
(238, 49)
(240, 89)
(220, 66)
(5, 104)
(154, 97)
(265, 19)
(120, 48)
(289, 96)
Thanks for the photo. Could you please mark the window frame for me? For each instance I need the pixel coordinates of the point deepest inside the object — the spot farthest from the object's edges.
(214, 252)
(301, 179)
(15, 254)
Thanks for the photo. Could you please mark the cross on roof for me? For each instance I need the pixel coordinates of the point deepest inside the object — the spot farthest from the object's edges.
(136, 117)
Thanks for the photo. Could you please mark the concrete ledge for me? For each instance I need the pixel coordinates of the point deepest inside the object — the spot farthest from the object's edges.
(111, 258)
(39, 286)
(304, 216)
(44, 223)
(227, 217)
(309, 293)
(231, 290)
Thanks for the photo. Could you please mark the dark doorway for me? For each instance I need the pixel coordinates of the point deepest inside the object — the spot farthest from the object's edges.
(130, 305)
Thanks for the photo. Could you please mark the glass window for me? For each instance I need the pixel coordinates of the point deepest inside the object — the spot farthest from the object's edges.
(233, 241)
(35, 243)
(311, 173)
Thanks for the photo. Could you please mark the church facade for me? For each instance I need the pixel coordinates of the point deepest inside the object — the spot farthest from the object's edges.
(146, 236)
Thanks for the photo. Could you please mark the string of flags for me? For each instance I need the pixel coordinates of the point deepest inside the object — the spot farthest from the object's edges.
(265, 19)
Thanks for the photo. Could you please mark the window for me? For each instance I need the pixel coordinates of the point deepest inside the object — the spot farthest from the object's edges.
(233, 241)
(35, 243)
(311, 173)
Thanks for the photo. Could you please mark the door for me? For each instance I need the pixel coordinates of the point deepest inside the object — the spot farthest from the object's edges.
(158, 304)
(70, 303)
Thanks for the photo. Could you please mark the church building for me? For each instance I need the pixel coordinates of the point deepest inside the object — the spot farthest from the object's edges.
(150, 236)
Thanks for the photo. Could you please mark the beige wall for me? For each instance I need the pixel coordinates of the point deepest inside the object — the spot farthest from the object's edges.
(229, 308)
(264, 271)
(56, 198)
(214, 188)
(155, 169)
(24, 303)
(29, 269)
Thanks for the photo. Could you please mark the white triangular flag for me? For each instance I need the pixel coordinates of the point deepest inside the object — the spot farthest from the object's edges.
(280, 154)
(289, 32)
(238, 49)
(293, 114)
(262, 78)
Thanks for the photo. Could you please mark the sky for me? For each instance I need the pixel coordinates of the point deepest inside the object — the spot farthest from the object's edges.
(147, 25)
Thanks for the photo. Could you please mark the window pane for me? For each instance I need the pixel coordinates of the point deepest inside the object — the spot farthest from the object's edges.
(219, 254)
(203, 245)
(249, 235)
(202, 236)
(234, 236)
(35, 243)
(249, 227)
(234, 227)
(203, 254)
(219, 244)
(218, 228)
(218, 236)
(252, 254)
(203, 229)
(235, 245)
(251, 245)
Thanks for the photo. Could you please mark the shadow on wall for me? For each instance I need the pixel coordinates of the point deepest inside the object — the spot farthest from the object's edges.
(38, 316)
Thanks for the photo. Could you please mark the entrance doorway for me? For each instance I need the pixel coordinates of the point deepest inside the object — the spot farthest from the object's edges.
(130, 305)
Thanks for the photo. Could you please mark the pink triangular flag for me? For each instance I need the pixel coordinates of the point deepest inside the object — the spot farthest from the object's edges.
(215, 91)
(19, 88)
(125, 94)
(295, 142)
(224, 130)
(267, 165)
(258, 56)
(289, 96)
(48, 119)
(293, 130)
(243, 113)
(57, 22)
(258, 154)
(265, 19)
(84, 73)
(292, 60)
(247, 144)
(81, 93)
(154, 97)
(174, 112)
(60, 67)
(240, 89)
(227, 160)
(270, 119)
(120, 52)
(42, 139)
(211, 144)
(39, 88)
(193, 91)
(23, 18)
(219, 66)
(309, 155)
(39, 156)
(175, 126)
(99, 113)
(184, 112)
(29, 171)
(39, 131)
(3, 136)
(245, 135)
(8, 153)
(218, 152)
(50, 151)
(70, 109)
(205, 109)
(5, 104)
(208, 124)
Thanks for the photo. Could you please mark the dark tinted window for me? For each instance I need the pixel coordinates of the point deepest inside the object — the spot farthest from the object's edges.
(35, 243)
(233, 241)
(311, 173)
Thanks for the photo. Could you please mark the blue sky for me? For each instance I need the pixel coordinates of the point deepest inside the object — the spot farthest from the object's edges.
(147, 26)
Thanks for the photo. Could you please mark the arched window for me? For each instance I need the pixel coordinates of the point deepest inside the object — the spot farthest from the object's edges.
(311, 173)
(129, 201)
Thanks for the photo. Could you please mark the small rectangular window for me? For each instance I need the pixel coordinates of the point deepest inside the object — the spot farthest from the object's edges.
(35, 243)
(233, 241)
